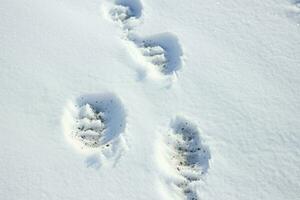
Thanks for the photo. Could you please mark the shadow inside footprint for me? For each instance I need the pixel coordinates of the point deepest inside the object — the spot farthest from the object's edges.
(126, 12)
(111, 114)
(193, 153)
(296, 2)
(294, 10)
(134, 6)
(162, 50)
(188, 155)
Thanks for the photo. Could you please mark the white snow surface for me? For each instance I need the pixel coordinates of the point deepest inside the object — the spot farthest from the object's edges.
(239, 84)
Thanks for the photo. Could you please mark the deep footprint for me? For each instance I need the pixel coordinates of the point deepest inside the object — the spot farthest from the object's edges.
(94, 120)
(162, 51)
(188, 155)
(126, 13)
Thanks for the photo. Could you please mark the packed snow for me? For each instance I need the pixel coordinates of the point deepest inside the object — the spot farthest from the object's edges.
(150, 99)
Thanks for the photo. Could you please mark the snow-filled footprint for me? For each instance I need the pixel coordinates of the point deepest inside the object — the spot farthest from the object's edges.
(161, 53)
(186, 156)
(124, 12)
(95, 123)
(89, 126)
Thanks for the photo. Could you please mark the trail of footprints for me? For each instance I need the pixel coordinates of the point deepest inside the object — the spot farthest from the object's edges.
(161, 53)
(96, 122)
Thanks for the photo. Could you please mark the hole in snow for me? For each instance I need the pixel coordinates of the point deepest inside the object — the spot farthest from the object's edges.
(162, 50)
(126, 13)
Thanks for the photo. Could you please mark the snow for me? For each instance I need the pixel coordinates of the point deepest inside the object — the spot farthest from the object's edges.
(233, 74)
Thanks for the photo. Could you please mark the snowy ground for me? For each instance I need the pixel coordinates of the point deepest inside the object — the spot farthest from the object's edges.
(186, 99)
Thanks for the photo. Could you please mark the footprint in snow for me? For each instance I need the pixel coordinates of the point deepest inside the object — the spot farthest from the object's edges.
(187, 155)
(126, 13)
(161, 52)
(95, 122)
